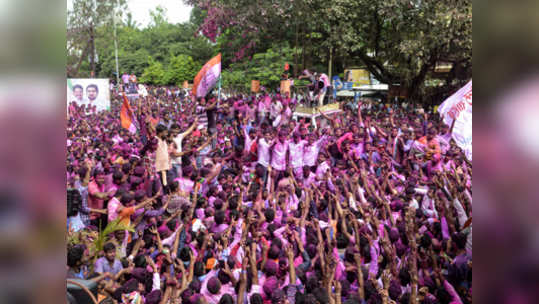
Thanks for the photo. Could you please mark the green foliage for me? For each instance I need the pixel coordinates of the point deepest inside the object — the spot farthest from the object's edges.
(96, 240)
(266, 67)
(397, 41)
(180, 68)
(161, 40)
(235, 80)
(103, 236)
(154, 73)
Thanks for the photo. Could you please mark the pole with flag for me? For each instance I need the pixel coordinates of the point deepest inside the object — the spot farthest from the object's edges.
(219, 91)
(207, 77)
(127, 117)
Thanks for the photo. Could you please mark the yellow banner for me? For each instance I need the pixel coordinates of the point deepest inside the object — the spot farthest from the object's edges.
(357, 76)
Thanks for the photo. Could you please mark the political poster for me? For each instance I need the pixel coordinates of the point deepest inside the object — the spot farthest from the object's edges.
(459, 106)
(89, 92)
(358, 77)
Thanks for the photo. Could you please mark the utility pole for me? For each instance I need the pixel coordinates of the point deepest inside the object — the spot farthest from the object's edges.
(92, 39)
(116, 45)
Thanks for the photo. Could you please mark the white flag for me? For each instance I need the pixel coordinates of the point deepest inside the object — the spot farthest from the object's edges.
(459, 107)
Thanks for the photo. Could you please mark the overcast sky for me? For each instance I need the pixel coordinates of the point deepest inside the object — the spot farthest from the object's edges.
(176, 10)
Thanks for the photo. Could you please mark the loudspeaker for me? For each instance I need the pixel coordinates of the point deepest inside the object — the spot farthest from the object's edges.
(80, 295)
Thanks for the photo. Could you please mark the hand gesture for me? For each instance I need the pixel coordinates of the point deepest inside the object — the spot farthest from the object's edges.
(338, 287)
(386, 278)
(289, 252)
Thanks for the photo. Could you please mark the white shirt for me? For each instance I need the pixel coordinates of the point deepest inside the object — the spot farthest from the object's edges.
(309, 180)
(275, 109)
(263, 152)
(310, 153)
(278, 161)
(248, 140)
(296, 153)
(322, 169)
(178, 141)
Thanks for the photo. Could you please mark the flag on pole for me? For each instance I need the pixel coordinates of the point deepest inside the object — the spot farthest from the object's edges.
(127, 117)
(207, 77)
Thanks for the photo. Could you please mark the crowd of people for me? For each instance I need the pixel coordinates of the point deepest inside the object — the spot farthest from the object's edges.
(234, 201)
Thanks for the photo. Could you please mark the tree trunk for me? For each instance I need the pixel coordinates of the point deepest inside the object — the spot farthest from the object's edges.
(330, 62)
(74, 72)
(419, 79)
(92, 52)
(296, 54)
(302, 51)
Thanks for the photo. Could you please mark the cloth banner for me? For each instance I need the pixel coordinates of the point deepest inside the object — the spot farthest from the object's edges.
(285, 87)
(255, 86)
(207, 77)
(459, 106)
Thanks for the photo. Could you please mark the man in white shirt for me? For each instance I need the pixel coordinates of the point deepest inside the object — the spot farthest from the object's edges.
(177, 139)
(279, 156)
(275, 109)
(311, 150)
(263, 146)
(296, 147)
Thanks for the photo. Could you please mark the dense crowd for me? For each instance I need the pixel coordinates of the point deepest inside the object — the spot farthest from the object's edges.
(234, 201)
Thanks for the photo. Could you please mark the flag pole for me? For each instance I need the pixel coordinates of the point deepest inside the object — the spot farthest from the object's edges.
(219, 91)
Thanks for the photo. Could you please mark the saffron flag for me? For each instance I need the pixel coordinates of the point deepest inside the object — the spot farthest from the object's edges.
(127, 118)
(207, 77)
(459, 106)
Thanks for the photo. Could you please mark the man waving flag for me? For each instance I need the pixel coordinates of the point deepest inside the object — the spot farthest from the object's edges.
(127, 117)
(208, 76)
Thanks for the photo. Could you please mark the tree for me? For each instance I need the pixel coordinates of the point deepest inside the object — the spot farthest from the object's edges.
(399, 42)
(180, 69)
(83, 20)
(154, 73)
(161, 40)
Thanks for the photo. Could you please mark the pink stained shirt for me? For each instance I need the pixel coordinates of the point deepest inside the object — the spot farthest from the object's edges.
(263, 152)
(321, 170)
(162, 161)
(248, 140)
(346, 136)
(112, 209)
(185, 185)
(211, 298)
(309, 181)
(310, 153)
(296, 153)
(93, 201)
(278, 161)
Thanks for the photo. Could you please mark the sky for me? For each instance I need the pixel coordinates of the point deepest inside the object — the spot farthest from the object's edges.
(176, 10)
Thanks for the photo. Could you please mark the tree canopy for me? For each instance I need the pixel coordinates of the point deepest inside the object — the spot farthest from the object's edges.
(399, 42)
(161, 53)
